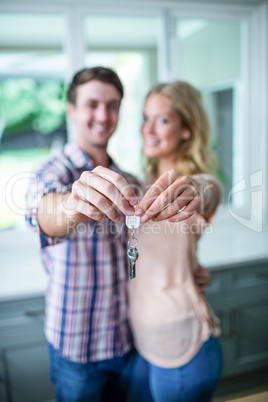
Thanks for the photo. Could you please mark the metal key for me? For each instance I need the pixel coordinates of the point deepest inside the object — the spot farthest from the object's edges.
(133, 255)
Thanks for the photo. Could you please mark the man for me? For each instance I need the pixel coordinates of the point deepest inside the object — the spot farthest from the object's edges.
(85, 255)
(84, 247)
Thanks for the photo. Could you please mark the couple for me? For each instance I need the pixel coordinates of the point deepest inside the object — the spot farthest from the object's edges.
(78, 202)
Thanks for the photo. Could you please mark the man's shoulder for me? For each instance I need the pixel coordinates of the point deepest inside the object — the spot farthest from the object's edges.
(52, 163)
(65, 160)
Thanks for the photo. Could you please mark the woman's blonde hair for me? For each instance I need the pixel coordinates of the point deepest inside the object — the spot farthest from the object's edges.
(194, 155)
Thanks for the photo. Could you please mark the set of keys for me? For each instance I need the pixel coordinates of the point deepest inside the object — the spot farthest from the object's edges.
(132, 222)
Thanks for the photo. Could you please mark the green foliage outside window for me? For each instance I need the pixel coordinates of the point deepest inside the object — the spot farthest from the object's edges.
(28, 105)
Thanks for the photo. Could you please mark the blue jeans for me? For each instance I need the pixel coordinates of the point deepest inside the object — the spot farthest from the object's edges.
(106, 380)
(196, 381)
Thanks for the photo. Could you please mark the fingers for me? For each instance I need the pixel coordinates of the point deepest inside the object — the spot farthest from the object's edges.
(103, 192)
(119, 182)
(93, 212)
(155, 191)
(181, 208)
(173, 196)
(93, 204)
(78, 210)
(186, 212)
(202, 288)
(202, 278)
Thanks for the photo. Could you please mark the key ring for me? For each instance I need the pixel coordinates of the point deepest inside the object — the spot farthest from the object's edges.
(132, 238)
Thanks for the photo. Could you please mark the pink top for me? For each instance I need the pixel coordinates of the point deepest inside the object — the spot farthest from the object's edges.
(170, 317)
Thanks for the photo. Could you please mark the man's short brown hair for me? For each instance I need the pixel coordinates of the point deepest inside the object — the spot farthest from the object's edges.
(102, 74)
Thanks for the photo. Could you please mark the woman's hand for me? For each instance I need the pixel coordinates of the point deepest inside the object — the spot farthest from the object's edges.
(202, 278)
(173, 197)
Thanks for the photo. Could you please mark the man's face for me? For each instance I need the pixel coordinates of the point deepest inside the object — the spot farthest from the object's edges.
(95, 114)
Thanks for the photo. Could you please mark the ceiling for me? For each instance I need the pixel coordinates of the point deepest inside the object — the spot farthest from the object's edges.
(164, 2)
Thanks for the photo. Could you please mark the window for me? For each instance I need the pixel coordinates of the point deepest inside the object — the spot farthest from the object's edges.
(221, 49)
(32, 116)
(129, 46)
(210, 59)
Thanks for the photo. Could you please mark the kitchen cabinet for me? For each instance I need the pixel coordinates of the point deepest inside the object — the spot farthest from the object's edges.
(239, 297)
(238, 294)
(24, 365)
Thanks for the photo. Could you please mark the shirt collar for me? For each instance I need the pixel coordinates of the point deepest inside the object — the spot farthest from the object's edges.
(81, 160)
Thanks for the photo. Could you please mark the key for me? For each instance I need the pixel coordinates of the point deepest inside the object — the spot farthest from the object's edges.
(133, 221)
(133, 255)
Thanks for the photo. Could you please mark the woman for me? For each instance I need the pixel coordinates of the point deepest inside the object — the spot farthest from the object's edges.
(175, 331)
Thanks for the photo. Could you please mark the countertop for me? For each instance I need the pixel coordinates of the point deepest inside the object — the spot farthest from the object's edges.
(22, 274)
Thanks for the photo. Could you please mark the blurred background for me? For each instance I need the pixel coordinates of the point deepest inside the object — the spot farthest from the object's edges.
(221, 47)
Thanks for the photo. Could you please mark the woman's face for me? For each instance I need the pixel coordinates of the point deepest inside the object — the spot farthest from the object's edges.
(162, 129)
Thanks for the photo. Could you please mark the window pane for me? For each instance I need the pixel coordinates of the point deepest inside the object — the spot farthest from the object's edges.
(210, 59)
(123, 31)
(29, 63)
(31, 30)
(209, 51)
(127, 45)
(32, 115)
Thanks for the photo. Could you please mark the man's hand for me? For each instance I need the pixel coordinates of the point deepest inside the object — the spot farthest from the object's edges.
(202, 278)
(98, 193)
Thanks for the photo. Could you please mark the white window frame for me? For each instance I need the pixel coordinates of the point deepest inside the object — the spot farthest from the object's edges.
(253, 112)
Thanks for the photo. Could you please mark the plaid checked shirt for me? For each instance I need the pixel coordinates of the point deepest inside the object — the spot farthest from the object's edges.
(86, 312)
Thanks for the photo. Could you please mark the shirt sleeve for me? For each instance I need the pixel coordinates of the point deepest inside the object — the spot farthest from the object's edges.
(47, 179)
